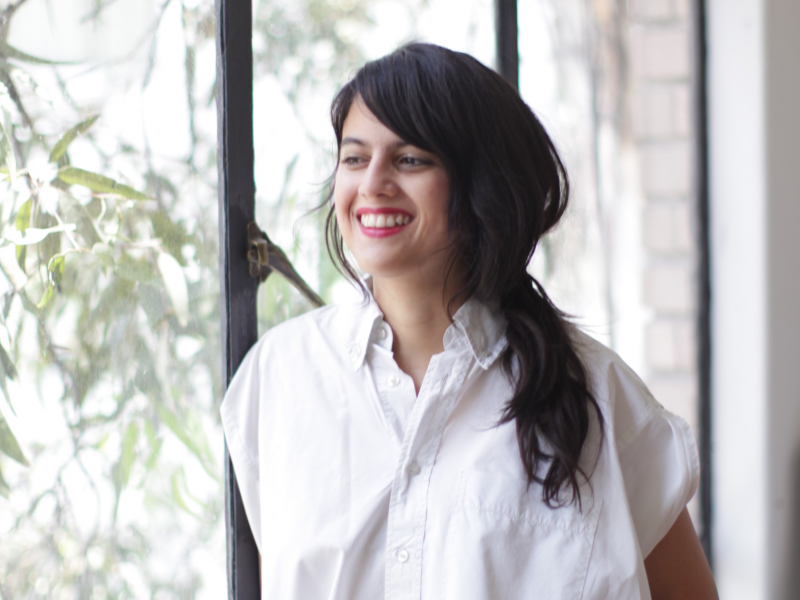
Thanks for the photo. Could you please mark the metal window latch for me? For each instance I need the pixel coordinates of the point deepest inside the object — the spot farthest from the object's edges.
(264, 257)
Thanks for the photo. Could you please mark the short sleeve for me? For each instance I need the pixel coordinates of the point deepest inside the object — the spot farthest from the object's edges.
(240, 422)
(657, 454)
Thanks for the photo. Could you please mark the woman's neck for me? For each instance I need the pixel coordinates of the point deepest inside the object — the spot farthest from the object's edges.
(417, 314)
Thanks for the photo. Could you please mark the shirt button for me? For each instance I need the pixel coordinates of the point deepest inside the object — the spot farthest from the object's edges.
(413, 468)
(382, 333)
(402, 555)
(394, 380)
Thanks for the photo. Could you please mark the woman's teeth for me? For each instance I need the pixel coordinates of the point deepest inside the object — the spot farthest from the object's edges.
(381, 221)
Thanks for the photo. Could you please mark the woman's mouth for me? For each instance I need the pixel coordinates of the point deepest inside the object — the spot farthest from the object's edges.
(382, 223)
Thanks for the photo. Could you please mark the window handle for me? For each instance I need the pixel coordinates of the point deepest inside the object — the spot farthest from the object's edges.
(264, 257)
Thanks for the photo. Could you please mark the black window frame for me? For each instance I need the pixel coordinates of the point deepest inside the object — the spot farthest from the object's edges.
(238, 290)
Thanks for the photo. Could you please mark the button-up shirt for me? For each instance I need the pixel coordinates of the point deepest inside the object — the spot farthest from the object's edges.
(358, 488)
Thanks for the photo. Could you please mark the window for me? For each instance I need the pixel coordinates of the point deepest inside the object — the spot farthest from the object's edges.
(139, 139)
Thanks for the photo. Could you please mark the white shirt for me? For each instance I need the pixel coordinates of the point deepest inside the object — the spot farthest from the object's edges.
(357, 489)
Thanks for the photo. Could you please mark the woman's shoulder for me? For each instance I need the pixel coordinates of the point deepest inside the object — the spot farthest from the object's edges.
(600, 361)
(300, 331)
(328, 329)
(621, 394)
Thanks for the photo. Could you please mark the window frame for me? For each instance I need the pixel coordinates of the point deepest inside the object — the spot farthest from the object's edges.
(238, 290)
(703, 294)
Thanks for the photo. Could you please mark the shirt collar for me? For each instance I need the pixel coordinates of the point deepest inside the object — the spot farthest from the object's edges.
(479, 326)
(483, 326)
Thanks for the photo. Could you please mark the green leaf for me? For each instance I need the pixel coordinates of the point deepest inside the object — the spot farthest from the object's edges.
(154, 454)
(75, 212)
(175, 282)
(105, 253)
(194, 426)
(177, 497)
(33, 235)
(172, 234)
(56, 269)
(8, 443)
(8, 51)
(23, 218)
(128, 456)
(135, 269)
(61, 146)
(9, 370)
(46, 297)
(7, 156)
(22, 253)
(8, 298)
(7, 364)
(51, 245)
(175, 425)
(99, 183)
(5, 489)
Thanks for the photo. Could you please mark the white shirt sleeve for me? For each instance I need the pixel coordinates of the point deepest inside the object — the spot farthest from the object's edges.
(657, 455)
(240, 422)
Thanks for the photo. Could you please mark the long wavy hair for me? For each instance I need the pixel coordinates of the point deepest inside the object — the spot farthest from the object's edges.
(508, 187)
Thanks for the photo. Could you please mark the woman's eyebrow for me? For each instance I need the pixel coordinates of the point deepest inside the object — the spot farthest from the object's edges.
(358, 142)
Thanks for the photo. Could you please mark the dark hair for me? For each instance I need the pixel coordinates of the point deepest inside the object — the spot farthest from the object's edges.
(508, 187)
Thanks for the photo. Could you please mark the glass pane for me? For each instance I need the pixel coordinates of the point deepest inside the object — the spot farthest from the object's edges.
(626, 258)
(304, 52)
(571, 64)
(555, 80)
(112, 477)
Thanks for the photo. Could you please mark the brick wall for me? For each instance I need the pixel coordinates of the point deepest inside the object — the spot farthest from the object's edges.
(661, 78)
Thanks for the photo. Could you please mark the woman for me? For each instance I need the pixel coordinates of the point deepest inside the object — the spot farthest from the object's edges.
(453, 436)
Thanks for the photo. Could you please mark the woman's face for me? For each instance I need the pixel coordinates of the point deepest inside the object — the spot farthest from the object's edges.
(391, 202)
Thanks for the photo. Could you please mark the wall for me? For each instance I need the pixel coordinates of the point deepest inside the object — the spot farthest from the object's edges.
(782, 126)
(754, 95)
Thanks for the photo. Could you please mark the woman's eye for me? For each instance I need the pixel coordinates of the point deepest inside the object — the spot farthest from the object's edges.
(413, 161)
(351, 160)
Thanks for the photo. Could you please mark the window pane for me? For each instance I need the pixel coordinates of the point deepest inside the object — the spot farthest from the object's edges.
(110, 311)
(625, 259)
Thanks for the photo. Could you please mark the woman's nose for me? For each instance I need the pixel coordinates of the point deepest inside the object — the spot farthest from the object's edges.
(378, 180)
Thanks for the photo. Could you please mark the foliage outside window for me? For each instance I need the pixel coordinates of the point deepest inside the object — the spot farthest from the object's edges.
(110, 446)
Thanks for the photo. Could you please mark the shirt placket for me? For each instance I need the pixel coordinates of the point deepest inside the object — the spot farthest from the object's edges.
(409, 497)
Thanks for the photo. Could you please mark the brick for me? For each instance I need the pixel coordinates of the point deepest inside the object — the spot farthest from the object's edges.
(660, 346)
(670, 346)
(649, 10)
(683, 227)
(682, 110)
(667, 168)
(651, 113)
(662, 111)
(667, 228)
(669, 289)
(660, 53)
(658, 228)
(682, 9)
(685, 344)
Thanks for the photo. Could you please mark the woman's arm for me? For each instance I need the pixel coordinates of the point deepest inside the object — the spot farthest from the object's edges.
(677, 567)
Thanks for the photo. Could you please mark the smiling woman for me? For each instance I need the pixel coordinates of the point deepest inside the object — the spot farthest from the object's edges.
(387, 188)
(454, 435)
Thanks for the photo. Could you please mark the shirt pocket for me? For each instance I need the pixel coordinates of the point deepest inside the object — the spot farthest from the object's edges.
(503, 541)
